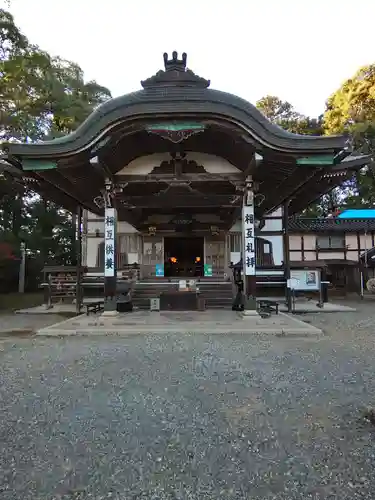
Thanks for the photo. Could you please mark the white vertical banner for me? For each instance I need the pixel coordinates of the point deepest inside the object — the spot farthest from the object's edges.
(248, 229)
(110, 223)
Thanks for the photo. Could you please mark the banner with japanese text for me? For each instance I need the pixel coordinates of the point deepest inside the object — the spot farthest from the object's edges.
(110, 242)
(248, 239)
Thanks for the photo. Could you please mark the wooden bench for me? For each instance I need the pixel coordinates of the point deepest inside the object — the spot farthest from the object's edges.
(267, 307)
(94, 307)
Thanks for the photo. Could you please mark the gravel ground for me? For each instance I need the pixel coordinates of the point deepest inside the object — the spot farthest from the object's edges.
(190, 417)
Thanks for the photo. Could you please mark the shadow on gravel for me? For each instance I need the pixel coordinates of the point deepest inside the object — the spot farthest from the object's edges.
(17, 333)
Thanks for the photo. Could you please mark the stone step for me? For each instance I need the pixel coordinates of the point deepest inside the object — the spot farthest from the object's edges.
(206, 293)
(211, 302)
(211, 279)
(145, 306)
(218, 294)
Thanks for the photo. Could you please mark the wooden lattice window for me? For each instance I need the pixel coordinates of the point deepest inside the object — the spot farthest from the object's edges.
(330, 242)
(235, 242)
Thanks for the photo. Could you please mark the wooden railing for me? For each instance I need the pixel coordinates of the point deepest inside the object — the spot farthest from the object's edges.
(130, 273)
(60, 282)
(121, 261)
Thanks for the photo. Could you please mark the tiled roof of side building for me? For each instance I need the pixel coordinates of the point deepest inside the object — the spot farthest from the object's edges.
(328, 225)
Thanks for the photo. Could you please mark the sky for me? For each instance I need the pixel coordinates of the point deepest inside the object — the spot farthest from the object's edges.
(299, 50)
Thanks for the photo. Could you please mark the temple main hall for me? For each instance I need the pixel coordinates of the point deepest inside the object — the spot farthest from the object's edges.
(181, 182)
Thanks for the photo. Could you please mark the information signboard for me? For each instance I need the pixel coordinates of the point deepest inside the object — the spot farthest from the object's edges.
(304, 280)
(159, 270)
(109, 242)
(249, 239)
(208, 269)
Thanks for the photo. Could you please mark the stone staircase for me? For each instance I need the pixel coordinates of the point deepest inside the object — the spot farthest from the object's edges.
(217, 294)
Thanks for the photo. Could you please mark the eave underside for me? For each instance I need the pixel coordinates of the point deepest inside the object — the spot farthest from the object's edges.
(171, 188)
(139, 199)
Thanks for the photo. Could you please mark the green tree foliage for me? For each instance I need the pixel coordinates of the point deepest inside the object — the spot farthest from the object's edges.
(353, 103)
(351, 110)
(40, 97)
(276, 110)
(283, 114)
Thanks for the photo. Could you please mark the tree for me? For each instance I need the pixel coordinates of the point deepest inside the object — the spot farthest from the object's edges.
(353, 103)
(40, 97)
(276, 110)
(50, 233)
(351, 110)
(283, 114)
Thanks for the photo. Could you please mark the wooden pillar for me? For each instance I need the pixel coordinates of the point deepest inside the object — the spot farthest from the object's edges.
(84, 236)
(302, 247)
(21, 276)
(141, 258)
(287, 254)
(78, 241)
(248, 251)
(110, 261)
(75, 217)
(226, 256)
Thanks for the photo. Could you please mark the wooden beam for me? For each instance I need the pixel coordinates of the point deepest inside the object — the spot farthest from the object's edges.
(180, 201)
(65, 187)
(251, 168)
(105, 169)
(167, 178)
(290, 187)
(312, 192)
(197, 226)
(133, 217)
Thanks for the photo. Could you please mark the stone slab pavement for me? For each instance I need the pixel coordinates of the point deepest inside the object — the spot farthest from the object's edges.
(24, 323)
(304, 307)
(301, 306)
(59, 308)
(211, 321)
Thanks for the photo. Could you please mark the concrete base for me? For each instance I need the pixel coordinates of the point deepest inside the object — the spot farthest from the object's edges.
(110, 313)
(208, 322)
(306, 307)
(250, 312)
(59, 308)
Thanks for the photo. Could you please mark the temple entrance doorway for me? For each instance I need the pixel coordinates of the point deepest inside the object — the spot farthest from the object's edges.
(184, 256)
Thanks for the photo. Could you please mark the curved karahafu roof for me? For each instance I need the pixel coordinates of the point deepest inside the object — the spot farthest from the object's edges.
(177, 92)
(294, 168)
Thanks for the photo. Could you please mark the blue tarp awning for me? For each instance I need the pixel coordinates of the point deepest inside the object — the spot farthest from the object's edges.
(360, 213)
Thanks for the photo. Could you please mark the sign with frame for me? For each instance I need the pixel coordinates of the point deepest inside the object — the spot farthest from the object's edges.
(305, 280)
(208, 269)
(159, 270)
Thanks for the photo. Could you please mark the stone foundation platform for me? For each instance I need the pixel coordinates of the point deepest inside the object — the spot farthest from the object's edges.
(208, 322)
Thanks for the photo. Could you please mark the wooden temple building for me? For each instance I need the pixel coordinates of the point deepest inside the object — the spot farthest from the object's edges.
(180, 180)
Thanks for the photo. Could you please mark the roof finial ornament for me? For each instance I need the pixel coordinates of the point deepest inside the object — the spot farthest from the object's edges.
(175, 63)
(175, 74)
